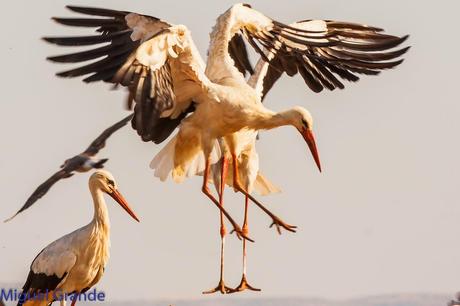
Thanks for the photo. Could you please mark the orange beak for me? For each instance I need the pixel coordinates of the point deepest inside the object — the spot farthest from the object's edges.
(310, 139)
(116, 195)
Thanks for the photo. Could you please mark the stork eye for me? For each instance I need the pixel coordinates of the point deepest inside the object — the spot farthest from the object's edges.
(247, 5)
(305, 124)
(110, 183)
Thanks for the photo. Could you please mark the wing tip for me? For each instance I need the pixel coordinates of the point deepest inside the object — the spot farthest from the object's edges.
(398, 62)
(10, 218)
(76, 8)
(55, 59)
(66, 74)
(403, 38)
(50, 40)
(96, 11)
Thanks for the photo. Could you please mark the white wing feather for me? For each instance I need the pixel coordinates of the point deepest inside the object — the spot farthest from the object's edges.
(56, 259)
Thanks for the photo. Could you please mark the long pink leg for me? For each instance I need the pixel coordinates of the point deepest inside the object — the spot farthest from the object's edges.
(75, 299)
(221, 287)
(244, 285)
(206, 191)
(236, 184)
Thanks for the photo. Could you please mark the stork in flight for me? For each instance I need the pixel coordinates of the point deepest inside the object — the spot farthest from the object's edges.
(82, 162)
(172, 87)
(76, 262)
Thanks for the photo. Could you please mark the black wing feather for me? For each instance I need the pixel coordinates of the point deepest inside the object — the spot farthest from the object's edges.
(109, 50)
(40, 283)
(116, 63)
(99, 142)
(88, 22)
(88, 40)
(239, 53)
(43, 189)
(322, 57)
(109, 62)
(97, 11)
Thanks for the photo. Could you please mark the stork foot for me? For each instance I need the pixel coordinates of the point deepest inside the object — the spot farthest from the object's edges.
(281, 224)
(276, 220)
(241, 234)
(220, 288)
(244, 285)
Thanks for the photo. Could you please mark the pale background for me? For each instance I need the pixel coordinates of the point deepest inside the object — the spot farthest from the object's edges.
(382, 218)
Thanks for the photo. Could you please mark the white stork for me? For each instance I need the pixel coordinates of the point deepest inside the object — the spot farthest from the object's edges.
(76, 262)
(167, 78)
(82, 162)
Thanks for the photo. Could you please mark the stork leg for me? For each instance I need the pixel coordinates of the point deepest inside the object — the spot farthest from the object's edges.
(223, 232)
(75, 298)
(237, 185)
(206, 191)
(244, 283)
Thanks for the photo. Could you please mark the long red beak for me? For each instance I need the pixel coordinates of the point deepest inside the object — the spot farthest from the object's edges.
(310, 139)
(116, 195)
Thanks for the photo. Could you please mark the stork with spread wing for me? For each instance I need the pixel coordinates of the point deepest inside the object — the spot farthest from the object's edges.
(170, 86)
(82, 162)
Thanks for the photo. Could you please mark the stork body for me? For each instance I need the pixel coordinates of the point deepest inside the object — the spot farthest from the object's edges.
(76, 262)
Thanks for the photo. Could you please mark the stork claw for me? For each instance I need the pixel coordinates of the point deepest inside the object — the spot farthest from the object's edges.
(240, 234)
(280, 224)
(220, 288)
(244, 285)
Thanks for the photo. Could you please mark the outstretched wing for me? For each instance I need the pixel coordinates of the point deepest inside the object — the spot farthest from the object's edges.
(99, 142)
(42, 190)
(323, 52)
(158, 63)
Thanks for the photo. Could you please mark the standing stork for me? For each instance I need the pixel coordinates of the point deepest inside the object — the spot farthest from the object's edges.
(171, 85)
(76, 262)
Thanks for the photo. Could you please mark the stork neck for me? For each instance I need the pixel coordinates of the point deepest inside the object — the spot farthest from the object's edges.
(267, 120)
(220, 65)
(101, 215)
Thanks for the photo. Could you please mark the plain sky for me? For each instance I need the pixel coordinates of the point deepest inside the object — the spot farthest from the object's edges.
(383, 217)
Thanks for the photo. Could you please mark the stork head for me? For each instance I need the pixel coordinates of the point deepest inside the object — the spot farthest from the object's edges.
(302, 120)
(104, 181)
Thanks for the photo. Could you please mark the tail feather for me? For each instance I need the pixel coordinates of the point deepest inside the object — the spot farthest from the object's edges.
(163, 163)
(263, 186)
(100, 163)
